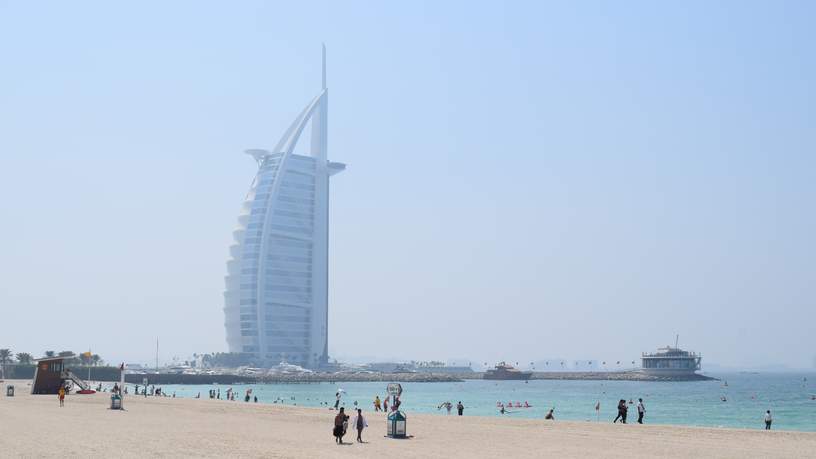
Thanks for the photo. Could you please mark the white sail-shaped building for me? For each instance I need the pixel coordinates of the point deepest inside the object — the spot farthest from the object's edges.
(276, 298)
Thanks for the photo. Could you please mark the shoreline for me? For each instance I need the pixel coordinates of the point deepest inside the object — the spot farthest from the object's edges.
(183, 427)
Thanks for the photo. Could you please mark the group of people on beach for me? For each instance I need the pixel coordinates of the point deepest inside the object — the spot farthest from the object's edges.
(623, 411)
(341, 425)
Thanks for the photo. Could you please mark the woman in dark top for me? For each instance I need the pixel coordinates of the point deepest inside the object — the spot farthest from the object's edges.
(621, 412)
(359, 423)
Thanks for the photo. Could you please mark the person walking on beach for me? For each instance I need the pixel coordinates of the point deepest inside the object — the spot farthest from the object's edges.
(641, 410)
(340, 423)
(359, 423)
(61, 394)
(377, 405)
(621, 412)
(768, 420)
(385, 404)
(460, 408)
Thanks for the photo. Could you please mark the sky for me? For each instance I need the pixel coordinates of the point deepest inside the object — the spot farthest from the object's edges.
(525, 180)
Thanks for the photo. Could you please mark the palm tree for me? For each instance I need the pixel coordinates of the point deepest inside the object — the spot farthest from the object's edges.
(5, 355)
(24, 358)
(96, 359)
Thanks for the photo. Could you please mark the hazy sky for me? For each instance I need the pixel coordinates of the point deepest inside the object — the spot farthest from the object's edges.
(525, 180)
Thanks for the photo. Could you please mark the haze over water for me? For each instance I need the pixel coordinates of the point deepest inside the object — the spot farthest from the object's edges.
(525, 180)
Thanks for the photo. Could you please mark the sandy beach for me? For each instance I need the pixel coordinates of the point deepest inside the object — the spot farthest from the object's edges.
(35, 426)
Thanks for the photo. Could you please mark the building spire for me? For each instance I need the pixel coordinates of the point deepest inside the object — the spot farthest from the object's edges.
(324, 66)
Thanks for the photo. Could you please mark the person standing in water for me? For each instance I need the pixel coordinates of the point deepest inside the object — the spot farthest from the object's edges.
(337, 400)
(359, 423)
(768, 420)
(641, 410)
(460, 408)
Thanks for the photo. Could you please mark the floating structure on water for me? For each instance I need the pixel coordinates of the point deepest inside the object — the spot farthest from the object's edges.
(671, 361)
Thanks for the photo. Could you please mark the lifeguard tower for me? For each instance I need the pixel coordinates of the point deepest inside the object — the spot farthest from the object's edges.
(51, 373)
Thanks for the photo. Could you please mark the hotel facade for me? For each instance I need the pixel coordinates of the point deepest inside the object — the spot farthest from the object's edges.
(276, 297)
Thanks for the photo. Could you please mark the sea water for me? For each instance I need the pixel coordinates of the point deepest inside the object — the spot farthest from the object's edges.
(694, 403)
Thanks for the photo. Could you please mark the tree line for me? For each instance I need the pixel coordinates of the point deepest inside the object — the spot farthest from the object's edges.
(25, 358)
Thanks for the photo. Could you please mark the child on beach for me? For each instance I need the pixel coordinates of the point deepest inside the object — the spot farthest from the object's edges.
(62, 396)
(550, 415)
(377, 406)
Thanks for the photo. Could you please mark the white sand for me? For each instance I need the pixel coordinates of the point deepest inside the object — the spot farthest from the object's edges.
(35, 426)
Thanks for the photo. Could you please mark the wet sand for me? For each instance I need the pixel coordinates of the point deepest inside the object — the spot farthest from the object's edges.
(35, 426)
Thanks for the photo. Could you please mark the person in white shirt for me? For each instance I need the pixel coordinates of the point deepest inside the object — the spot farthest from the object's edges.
(641, 410)
(768, 420)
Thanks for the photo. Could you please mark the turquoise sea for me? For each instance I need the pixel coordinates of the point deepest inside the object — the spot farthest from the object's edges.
(699, 403)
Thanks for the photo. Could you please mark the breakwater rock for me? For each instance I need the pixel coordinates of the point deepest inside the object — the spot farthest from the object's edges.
(608, 376)
(305, 378)
(299, 378)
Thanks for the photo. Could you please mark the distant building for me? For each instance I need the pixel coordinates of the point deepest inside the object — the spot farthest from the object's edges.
(276, 298)
(671, 361)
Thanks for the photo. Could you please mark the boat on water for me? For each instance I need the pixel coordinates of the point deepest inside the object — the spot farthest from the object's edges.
(504, 371)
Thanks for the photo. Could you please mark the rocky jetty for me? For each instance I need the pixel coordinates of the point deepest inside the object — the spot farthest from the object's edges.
(305, 378)
(632, 375)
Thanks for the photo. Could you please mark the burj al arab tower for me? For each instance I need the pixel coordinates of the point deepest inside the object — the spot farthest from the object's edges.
(276, 297)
